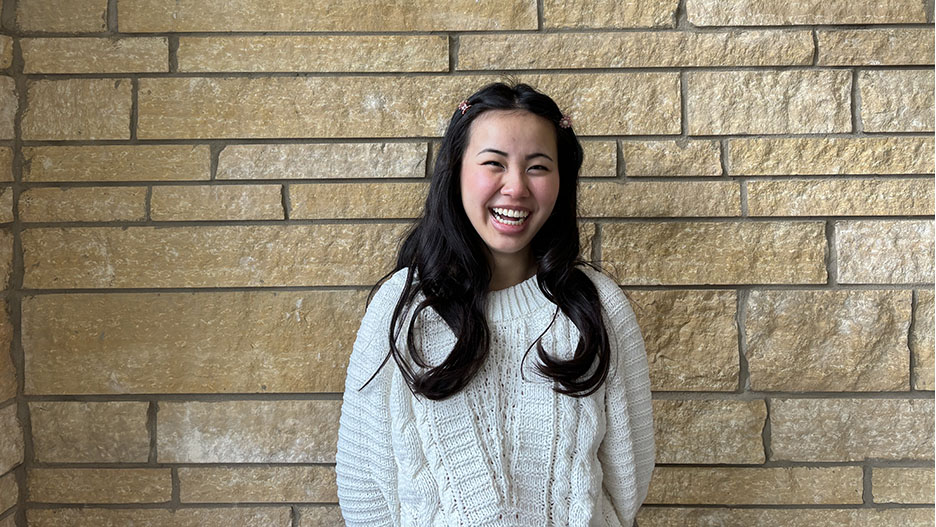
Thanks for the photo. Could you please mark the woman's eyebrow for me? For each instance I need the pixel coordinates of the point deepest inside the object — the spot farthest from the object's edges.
(529, 157)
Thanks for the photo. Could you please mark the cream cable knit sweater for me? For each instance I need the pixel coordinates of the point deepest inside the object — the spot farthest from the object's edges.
(504, 451)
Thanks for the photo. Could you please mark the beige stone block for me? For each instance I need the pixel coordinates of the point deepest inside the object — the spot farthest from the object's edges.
(197, 517)
(902, 485)
(691, 338)
(215, 342)
(357, 200)
(6, 204)
(727, 517)
(83, 204)
(897, 101)
(600, 159)
(663, 198)
(95, 55)
(656, 253)
(634, 49)
(366, 106)
(116, 163)
(851, 429)
(258, 484)
(771, 13)
(875, 47)
(89, 432)
(830, 155)
(11, 439)
(609, 14)
(99, 485)
(6, 163)
(840, 197)
(71, 16)
(6, 51)
(217, 202)
(321, 516)
(7, 369)
(9, 521)
(6, 257)
(339, 53)
(755, 486)
(884, 251)
(9, 103)
(323, 161)
(709, 431)
(828, 341)
(77, 109)
(587, 233)
(283, 431)
(9, 492)
(671, 158)
(769, 102)
(210, 256)
(921, 341)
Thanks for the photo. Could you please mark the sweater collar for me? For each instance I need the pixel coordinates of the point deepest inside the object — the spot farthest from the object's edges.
(515, 301)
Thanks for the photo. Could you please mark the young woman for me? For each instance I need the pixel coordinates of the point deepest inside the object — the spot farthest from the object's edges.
(465, 427)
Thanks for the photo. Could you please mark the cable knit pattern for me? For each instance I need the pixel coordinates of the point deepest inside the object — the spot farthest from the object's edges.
(507, 450)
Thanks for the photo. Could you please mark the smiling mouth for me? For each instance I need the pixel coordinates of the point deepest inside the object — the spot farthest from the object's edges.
(509, 216)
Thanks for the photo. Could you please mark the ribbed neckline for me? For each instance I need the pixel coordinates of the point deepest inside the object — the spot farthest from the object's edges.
(515, 301)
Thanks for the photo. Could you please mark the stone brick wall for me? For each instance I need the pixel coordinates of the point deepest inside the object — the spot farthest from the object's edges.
(195, 196)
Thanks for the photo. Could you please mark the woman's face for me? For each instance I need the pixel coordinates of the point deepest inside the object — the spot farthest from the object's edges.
(509, 181)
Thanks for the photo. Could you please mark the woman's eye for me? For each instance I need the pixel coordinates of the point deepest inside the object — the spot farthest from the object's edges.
(538, 167)
(492, 163)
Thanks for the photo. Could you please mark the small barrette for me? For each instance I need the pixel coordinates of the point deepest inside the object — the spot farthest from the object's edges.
(464, 106)
(565, 122)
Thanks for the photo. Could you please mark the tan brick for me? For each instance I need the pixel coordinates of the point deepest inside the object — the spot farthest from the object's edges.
(11, 439)
(200, 517)
(608, 13)
(363, 106)
(755, 486)
(83, 204)
(649, 199)
(81, 432)
(655, 253)
(321, 516)
(634, 49)
(347, 15)
(9, 521)
(671, 158)
(357, 200)
(281, 431)
(225, 342)
(6, 257)
(840, 197)
(6, 51)
(116, 163)
(875, 47)
(600, 159)
(84, 16)
(709, 431)
(99, 485)
(217, 202)
(691, 338)
(9, 492)
(258, 484)
(323, 161)
(77, 109)
(587, 233)
(338, 53)
(828, 341)
(9, 103)
(902, 485)
(851, 429)
(769, 102)
(771, 13)
(884, 251)
(95, 55)
(727, 517)
(6, 204)
(897, 101)
(6, 163)
(830, 155)
(921, 341)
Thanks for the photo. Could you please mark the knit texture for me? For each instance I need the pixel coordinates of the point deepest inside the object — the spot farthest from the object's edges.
(507, 450)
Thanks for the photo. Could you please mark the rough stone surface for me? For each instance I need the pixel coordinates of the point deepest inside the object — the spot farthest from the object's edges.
(755, 486)
(215, 342)
(6, 51)
(11, 439)
(650, 199)
(7, 370)
(116, 163)
(341, 53)
(83, 432)
(634, 50)
(357, 200)
(323, 161)
(332, 15)
(691, 338)
(709, 431)
(211, 256)
(897, 101)
(217, 202)
(9, 521)
(600, 159)
(830, 155)
(303, 484)
(671, 158)
(281, 431)
(655, 253)
(725, 517)
(608, 13)
(9, 492)
(6, 204)
(921, 341)
(884, 251)
(6, 163)
(77, 109)
(95, 55)
(196, 517)
(851, 429)
(840, 197)
(99, 485)
(771, 13)
(587, 233)
(84, 16)
(323, 516)
(9, 102)
(83, 204)
(902, 485)
(873, 47)
(769, 102)
(6, 257)
(828, 341)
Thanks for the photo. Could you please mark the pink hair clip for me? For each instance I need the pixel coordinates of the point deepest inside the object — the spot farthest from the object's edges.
(565, 122)
(464, 106)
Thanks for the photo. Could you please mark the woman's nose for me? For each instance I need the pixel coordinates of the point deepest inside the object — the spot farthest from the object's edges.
(515, 184)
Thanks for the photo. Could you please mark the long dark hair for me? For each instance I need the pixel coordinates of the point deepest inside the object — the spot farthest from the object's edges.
(447, 265)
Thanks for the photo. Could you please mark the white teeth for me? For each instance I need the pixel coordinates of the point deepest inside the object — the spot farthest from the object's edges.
(511, 213)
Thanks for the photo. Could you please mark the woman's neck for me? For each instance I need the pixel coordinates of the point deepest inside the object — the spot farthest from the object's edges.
(508, 272)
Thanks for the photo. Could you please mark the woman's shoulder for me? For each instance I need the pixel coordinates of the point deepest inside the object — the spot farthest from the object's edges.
(612, 297)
